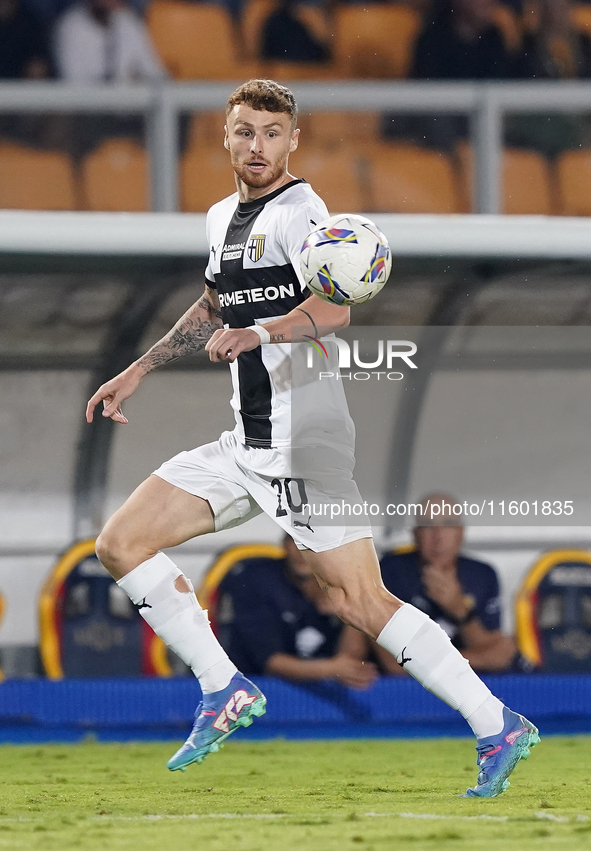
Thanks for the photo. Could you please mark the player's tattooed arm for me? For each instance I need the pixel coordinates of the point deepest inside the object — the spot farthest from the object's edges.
(189, 335)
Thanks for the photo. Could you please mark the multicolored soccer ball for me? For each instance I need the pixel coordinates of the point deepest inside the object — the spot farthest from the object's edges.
(346, 259)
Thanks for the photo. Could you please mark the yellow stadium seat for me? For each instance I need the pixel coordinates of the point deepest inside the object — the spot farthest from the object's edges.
(35, 180)
(194, 40)
(581, 17)
(284, 71)
(254, 15)
(527, 186)
(206, 177)
(334, 128)
(508, 23)
(409, 179)
(115, 177)
(573, 169)
(207, 126)
(527, 181)
(375, 40)
(334, 175)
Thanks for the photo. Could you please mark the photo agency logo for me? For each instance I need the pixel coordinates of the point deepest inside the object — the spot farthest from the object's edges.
(354, 364)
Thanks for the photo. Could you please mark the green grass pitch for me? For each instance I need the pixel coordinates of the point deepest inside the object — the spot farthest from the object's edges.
(291, 796)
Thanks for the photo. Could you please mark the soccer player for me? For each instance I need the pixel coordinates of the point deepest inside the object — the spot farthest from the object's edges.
(253, 308)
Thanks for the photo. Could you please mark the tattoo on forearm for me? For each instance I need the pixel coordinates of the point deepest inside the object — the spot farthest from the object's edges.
(205, 304)
(301, 309)
(188, 336)
(277, 338)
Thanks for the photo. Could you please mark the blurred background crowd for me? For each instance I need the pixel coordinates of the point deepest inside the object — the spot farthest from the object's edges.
(94, 161)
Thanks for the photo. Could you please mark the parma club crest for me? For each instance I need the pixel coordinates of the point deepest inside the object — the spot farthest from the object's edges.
(256, 247)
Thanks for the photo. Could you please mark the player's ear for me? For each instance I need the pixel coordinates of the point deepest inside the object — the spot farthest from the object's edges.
(226, 142)
(295, 138)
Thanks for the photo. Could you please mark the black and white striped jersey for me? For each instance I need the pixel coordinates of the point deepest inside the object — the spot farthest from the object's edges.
(254, 265)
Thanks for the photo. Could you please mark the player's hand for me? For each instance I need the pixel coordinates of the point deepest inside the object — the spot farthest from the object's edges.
(226, 344)
(113, 393)
(352, 672)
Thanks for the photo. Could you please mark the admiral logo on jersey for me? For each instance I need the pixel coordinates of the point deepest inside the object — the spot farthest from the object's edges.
(256, 247)
(233, 251)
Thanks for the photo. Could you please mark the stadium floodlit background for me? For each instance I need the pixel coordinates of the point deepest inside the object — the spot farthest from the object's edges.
(104, 182)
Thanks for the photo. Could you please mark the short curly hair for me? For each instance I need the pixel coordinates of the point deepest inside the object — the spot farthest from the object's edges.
(265, 95)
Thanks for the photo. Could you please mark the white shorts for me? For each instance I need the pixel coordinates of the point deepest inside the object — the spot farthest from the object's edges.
(240, 482)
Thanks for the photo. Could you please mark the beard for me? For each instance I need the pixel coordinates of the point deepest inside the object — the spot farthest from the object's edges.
(258, 181)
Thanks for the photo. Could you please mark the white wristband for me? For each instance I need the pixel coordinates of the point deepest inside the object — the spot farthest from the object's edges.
(262, 332)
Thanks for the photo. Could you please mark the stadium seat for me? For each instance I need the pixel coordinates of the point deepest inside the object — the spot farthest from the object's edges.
(206, 128)
(573, 170)
(207, 593)
(35, 180)
(284, 71)
(206, 176)
(254, 15)
(89, 627)
(333, 174)
(507, 22)
(115, 177)
(581, 17)
(375, 40)
(553, 612)
(330, 128)
(527, 181)
(195, 40)
(409, 179)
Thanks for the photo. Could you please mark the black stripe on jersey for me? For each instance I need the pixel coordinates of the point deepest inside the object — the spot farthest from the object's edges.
(255, 398)
(246, 295)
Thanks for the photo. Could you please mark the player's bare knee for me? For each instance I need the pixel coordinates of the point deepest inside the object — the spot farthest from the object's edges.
(117, 554)
(107, 551)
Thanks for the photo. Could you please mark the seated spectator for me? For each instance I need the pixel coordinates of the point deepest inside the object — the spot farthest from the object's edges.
(104, 40)
(459, 42)
(98, 41)
(285, 36)
(24, 51)
(273, 618)
(25, 55)
(552, 50)
(459, 593)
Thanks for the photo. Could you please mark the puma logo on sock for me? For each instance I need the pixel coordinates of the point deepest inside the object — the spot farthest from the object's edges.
(403, 661)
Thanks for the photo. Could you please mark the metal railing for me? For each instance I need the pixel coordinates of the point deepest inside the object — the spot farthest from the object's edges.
(486, 104)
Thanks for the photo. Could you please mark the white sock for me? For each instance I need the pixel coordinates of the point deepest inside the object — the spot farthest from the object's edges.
(175, 615)
(430, 657)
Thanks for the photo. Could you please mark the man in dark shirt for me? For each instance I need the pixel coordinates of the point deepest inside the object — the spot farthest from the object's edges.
(461, 42)
(458, 42)
(24, 52)
(273, 618)
(286, 37)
